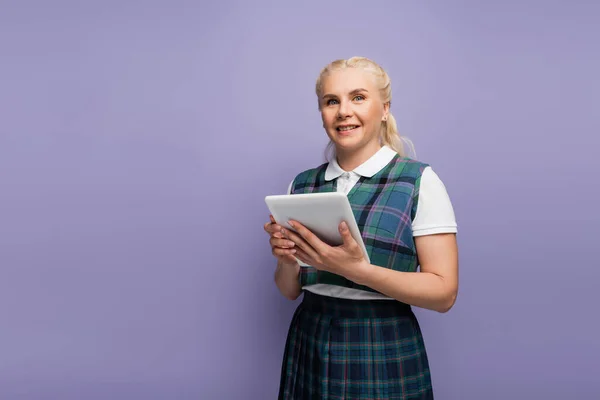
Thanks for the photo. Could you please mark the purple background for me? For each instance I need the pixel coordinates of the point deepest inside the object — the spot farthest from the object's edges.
(138, 140)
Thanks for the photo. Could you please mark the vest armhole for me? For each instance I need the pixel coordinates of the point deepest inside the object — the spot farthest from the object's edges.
(417, 187)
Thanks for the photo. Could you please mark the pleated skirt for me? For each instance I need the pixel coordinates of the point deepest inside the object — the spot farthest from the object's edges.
(354, 349)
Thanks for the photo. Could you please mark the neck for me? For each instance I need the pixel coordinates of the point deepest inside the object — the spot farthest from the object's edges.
(350, 159)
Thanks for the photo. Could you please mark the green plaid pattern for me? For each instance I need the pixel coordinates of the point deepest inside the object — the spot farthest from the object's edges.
(384, 206)
(354, 349)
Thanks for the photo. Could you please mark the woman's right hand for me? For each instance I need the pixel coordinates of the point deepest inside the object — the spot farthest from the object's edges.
(282, 248)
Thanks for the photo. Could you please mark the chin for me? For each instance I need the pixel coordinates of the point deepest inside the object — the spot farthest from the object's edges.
(356, 138)
(347, 146)
(345, 140)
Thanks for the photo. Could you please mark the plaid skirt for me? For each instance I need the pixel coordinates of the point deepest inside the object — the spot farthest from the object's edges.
(354, 349)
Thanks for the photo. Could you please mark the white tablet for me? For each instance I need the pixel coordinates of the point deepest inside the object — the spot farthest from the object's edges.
(321, 213)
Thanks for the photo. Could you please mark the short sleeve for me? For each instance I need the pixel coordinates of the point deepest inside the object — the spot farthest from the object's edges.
(435, 213)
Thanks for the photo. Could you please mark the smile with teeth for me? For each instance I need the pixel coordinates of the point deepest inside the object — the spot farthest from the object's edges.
(346, 128)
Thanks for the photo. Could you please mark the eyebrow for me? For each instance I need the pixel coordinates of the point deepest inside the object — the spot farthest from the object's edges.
(355, 91)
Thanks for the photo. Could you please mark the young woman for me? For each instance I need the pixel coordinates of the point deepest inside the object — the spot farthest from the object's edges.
(354, 335)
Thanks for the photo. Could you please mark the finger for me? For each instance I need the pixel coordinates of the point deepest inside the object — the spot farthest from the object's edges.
(273, 229)
(346, 235)
(283, 243)
(302, 256)
(309, 237)
(279, 252)
(275, 225)
(269, 227)
(303, 246)
(297, 239)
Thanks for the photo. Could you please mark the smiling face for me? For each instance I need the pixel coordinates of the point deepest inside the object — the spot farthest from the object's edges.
(352, 110)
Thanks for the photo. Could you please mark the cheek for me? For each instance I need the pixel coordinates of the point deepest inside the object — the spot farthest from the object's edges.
(328, 119)
(373, 116)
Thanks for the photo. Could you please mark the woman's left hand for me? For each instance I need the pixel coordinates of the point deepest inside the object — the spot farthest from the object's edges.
(346, 260)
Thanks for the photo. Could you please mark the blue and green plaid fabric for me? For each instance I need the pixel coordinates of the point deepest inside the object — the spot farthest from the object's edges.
(354, 349)
(361, 349)
(384, 206)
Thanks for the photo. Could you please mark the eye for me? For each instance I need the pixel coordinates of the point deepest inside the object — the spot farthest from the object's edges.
(359, 97)
(329, 102)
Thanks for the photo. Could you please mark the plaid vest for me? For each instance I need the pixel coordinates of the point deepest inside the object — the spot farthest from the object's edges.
(384, 207)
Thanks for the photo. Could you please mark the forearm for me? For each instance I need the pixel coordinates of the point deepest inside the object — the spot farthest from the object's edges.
(420, 289)
(286, 279)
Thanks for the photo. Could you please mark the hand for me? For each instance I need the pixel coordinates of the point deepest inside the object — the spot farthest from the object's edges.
(282, 248)
(347, 259)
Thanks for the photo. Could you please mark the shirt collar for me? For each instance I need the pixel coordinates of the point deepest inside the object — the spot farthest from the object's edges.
(367, 169)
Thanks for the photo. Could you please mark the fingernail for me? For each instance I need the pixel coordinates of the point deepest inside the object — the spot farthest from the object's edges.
(291, 224)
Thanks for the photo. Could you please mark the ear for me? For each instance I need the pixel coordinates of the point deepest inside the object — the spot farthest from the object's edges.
(386, 111)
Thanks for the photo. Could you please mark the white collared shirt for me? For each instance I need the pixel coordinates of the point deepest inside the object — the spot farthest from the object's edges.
(435, 213)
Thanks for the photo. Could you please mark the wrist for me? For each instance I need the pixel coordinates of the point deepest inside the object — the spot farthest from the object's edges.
(362, 274)
(287, 264)
(287, 269)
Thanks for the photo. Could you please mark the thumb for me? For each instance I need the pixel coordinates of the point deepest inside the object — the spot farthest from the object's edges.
(346, 235)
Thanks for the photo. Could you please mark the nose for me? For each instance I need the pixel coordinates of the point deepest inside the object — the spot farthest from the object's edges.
(344, 110)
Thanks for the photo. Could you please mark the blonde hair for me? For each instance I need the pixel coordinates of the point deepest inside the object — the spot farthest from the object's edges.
(389, 130)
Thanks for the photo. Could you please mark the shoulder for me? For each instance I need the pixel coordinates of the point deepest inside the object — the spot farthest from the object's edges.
(428, 188)
(428, 180)
(431, 181)
(407, 170)
(307, 175)
(409, 165)
(434, 210)
(311, 173)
